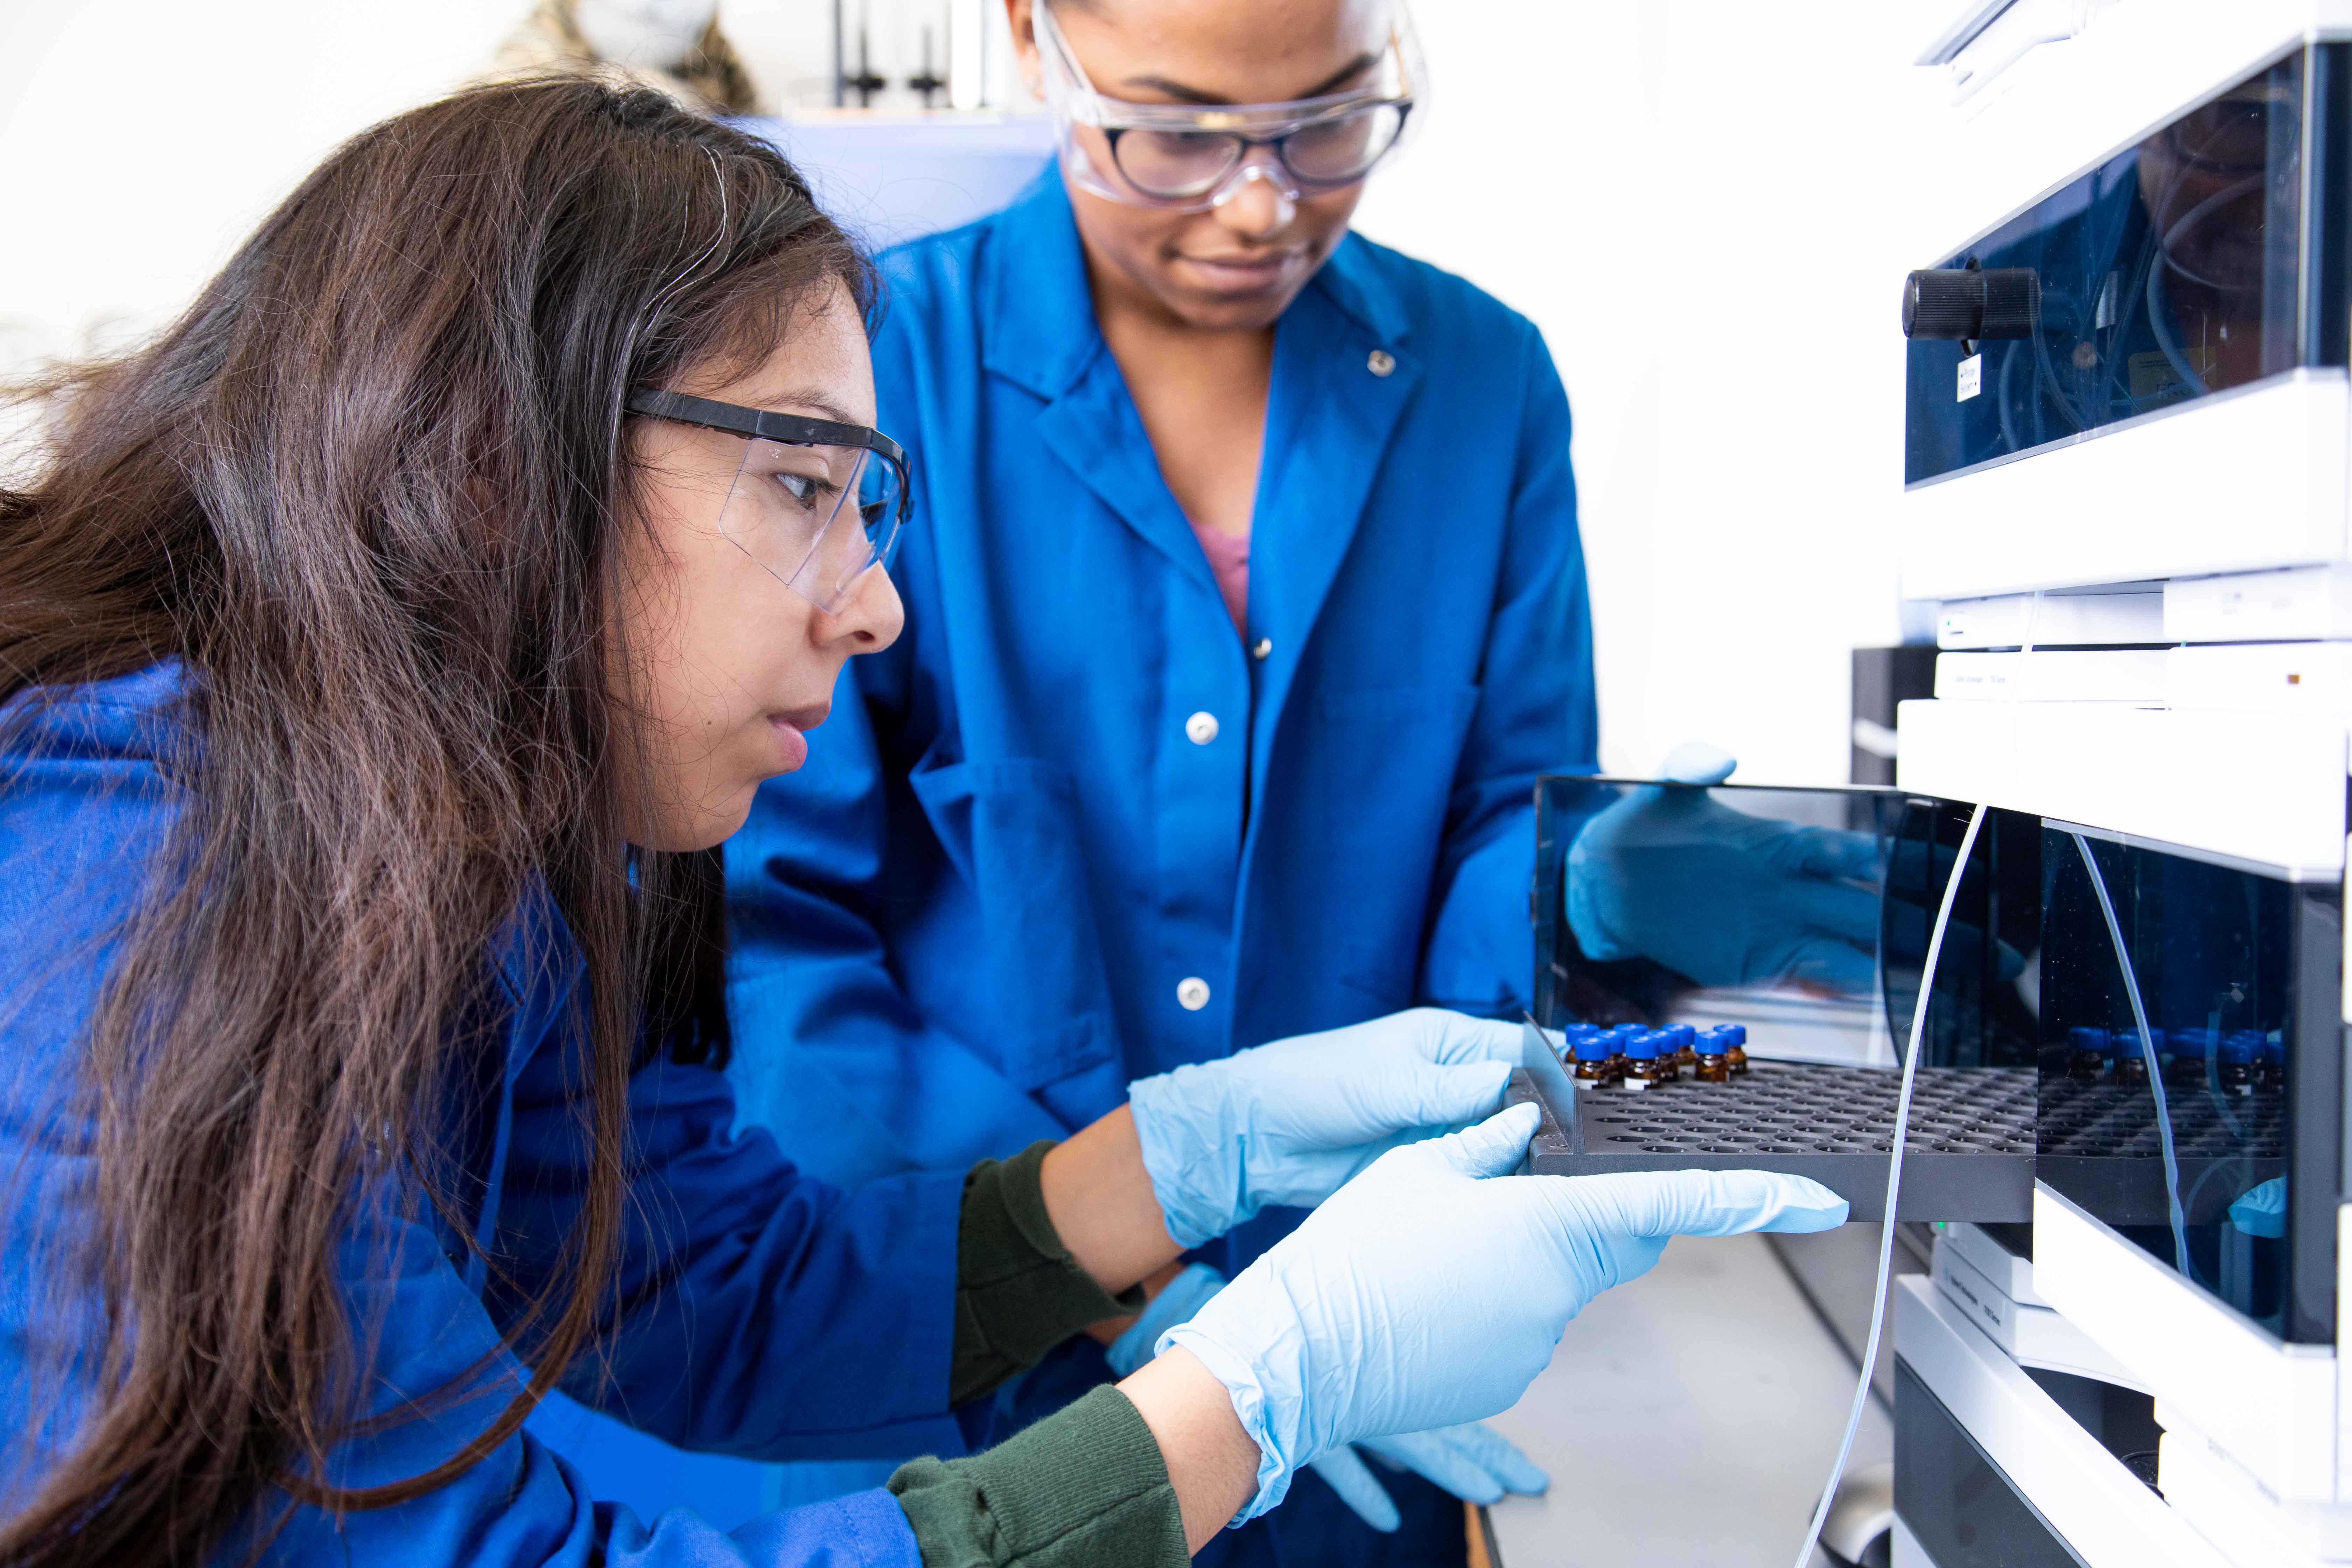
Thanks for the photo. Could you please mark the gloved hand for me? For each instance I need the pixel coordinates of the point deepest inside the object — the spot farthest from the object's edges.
(1432, 1289)
(1288, 1122)
(1722, 897)
(1470, 1461)
(2260, 1210)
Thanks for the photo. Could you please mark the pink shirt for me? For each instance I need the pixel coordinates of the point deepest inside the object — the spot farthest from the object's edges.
(1228, 556)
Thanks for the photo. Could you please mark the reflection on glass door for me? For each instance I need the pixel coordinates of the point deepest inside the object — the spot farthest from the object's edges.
(2188, 1075)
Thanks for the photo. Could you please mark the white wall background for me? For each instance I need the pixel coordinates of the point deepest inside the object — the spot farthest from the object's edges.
(140, 140)
(1698, 201)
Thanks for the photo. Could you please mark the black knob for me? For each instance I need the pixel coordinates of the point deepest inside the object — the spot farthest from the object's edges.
(1971, 302)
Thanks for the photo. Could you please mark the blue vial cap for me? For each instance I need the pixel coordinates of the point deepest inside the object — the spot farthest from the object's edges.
(2128, 1040)
(1627, 1031)
(1593, 1047)
(2242, 1048)
(2273, 1049)
(2088, 1038)
(1735, 1034)
(2190, 1043)
(1575, 1032)
(1681, 1034)
(1642, 1046)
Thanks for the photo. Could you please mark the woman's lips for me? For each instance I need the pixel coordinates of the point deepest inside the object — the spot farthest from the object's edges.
(807, 718)
(791, 729)
(1242, 274)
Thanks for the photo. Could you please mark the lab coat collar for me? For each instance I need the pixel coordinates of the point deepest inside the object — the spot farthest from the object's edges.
(1351, 281)
(1041, 330)
(1042, 335)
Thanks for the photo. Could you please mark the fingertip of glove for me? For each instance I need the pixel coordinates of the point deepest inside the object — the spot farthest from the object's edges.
(1481, 1082)
(1497, 1039)
(1526, 1477)
(1352, 1479)
(1504, 1459)
(1793, 1205)
(1664, 1204)
(1806, 1221)
(1698, 762)
(1471, 1091)
(1491, 1147)
(1517, 1124)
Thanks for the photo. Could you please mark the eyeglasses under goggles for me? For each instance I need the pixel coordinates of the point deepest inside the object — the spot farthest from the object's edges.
(1192, 157)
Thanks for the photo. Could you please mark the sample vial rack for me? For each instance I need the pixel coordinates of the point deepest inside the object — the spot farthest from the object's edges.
(1969, 1154)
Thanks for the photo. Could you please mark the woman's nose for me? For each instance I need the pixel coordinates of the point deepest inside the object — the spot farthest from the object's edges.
(868, 620)
(1254, 203)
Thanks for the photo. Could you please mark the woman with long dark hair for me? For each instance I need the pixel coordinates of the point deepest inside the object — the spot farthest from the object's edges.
(383, 652)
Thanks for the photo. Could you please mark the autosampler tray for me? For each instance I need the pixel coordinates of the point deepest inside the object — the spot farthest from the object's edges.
(1969, 1154)
(2100, 1144)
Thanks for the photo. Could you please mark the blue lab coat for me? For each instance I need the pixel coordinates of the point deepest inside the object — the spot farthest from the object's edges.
(1070, 796)
(768, 1314)
(965, 923)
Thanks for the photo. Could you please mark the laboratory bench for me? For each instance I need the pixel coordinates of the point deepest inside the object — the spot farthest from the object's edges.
(1688, 1418)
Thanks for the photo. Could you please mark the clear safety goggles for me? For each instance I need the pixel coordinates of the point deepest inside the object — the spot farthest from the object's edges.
(1191, 157)
(814, 501)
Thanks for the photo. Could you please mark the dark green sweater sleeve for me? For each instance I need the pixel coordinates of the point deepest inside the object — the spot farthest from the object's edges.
(1018, 1291)
(1085, 1488)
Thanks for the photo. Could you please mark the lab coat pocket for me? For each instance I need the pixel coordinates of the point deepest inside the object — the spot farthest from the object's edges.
(1387, 760)
(1011, 830)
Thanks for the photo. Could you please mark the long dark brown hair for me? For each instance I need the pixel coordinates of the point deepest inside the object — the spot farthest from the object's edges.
(370, 491)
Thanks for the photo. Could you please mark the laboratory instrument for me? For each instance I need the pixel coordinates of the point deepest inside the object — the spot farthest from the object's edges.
(2129, 508)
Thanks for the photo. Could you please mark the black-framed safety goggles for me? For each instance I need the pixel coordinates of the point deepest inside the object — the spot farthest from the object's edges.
(816, 503)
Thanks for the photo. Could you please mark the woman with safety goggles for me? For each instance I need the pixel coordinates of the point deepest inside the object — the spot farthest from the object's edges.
(375, 683)
(1244, 605)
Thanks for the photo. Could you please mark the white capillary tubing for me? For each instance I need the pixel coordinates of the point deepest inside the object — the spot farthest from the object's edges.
(2147, 1053)
(1894, 1181)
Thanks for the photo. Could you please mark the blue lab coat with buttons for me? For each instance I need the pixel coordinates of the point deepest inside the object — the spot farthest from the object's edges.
(1071, 829)
(765, 1314)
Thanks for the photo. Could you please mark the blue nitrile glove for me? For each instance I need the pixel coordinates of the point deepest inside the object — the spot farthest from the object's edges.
(1288, 1122)
(1722, 897)
(1470, 1461)
(2261, 1210)
(1432, 1289)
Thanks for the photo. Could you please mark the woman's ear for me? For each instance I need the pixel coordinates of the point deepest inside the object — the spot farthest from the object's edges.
(1023, 16)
